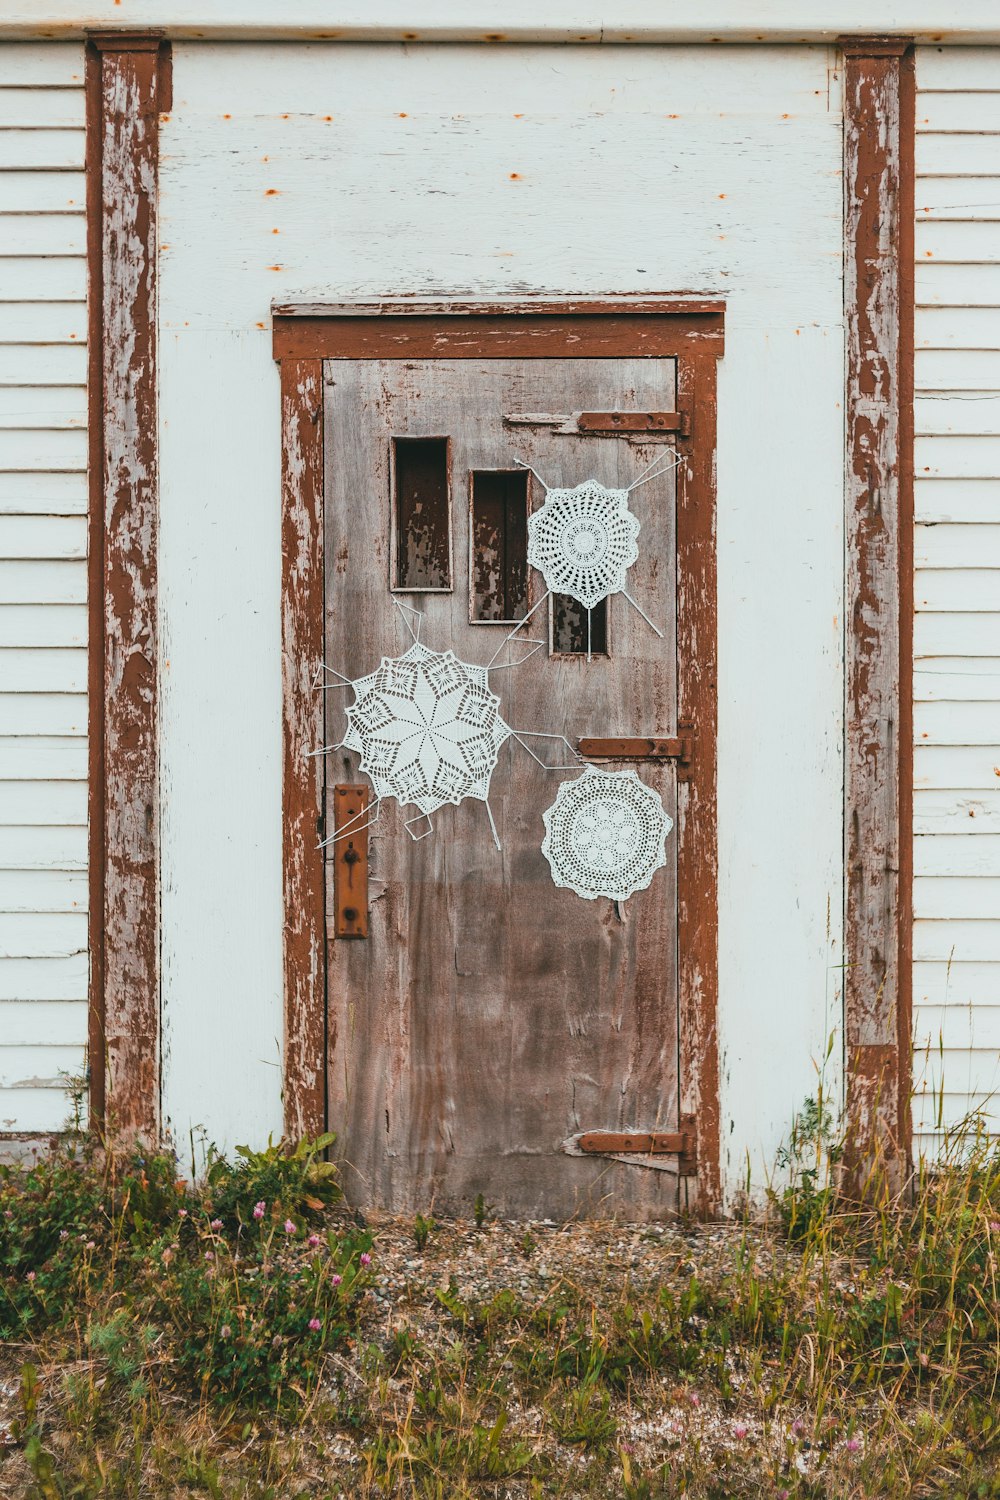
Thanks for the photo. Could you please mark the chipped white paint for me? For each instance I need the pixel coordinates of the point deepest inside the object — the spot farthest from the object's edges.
(637, 21)
(328, 172)
(43, 620)
(956, 686)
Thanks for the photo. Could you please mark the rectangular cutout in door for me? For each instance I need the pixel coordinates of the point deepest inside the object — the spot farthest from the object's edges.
(421, 519)
(569, 627)
(498, 546)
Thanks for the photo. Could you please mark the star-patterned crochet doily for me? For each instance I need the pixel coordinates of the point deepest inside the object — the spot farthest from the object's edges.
(427, 727)
(583, 541)
(605, 834)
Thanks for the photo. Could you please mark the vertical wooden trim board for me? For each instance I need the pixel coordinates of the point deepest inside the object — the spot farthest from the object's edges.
(126, 74)
(878, 198)
(303, 337)
(302, 617)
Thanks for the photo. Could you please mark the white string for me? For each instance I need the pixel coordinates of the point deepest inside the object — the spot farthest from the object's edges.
(651, 471)
(318, 686)
(493, 826)
(416, 837)
(407, 609)
(648, 621)
(517, 627)
(325, 750)
(505, 666)
(538, 734)
(349, 830)
(524, 465)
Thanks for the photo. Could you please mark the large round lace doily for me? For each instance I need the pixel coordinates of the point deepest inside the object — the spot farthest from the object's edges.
(427, 728)
(605, 834)
(584, 541)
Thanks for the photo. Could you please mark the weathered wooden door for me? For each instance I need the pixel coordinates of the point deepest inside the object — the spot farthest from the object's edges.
(489, 1016)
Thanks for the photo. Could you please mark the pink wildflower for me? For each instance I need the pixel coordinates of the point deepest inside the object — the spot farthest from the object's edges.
(31, 1276)
(313, 1241)
(315, 1324)
(366, 1259)
(336, 1280)
(209, 1255)
(225, 1332)
(694, 1398)
(64, 1234)
(740, 1430)
(852, 1445)
(995, 1226)
(90, 1245)
(215, 1224)
(289, 1227)
(259, 1210)
(798, 1427)
(182, 1213)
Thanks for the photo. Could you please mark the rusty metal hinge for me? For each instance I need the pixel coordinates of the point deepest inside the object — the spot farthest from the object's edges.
(679, 748)
(350, 862)
(604, 423)
(639, 1145)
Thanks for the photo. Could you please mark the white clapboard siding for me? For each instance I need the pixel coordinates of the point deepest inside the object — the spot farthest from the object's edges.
(955, 1028)
(944, 589)
(960, 500)
(43, 583)
(38, 581)
(964, 983)
(956, 724)
(962, 854)
(974, 1071)
(946, 812)
(43, 890)
(946, 369)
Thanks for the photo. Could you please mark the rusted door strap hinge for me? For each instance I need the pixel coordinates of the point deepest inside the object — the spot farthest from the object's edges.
(679, 748)
(604, 423)
(636, 1143)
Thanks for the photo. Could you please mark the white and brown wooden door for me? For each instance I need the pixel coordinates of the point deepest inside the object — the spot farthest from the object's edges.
(478, 1017)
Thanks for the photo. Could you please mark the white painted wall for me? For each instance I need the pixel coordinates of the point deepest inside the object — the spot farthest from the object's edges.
(298, 170)
(43, 584)
(956, 891)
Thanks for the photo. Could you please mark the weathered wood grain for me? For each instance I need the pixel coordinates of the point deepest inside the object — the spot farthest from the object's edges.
(490, 1015)
(877, 161)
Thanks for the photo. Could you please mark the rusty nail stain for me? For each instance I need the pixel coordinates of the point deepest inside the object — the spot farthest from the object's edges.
(274, 268)
(515, 177)
(227, 117)
(403, 115)
(260, 325)
(275, 231)
(270, 192)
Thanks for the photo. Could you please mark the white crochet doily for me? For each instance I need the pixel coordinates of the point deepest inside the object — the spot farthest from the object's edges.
(584, 541)
(427, 728)
(605, 834)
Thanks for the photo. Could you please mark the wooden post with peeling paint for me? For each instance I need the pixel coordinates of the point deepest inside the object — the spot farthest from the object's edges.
(878, 148)
(126, 91)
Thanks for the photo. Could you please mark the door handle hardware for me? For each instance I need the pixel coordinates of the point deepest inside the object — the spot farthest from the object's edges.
(350, 862)
(679, 748)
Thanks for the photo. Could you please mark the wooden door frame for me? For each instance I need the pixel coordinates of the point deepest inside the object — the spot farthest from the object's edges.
(687, 329)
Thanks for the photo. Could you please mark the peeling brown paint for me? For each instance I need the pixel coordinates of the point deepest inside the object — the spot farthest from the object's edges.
(878, 147)
(302, 719)
(125, 84)
(689, 330)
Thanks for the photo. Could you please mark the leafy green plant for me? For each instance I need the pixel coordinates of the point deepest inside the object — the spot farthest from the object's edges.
(292, 1181)
(813, 1150)
(422, 1231)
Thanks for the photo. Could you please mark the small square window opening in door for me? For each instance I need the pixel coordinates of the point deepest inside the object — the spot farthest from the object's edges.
(572, 634)
(498, 551)
(421, 515)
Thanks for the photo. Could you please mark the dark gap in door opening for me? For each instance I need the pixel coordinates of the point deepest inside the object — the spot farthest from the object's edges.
(422, 513)
(569, 627)
(498, 574)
